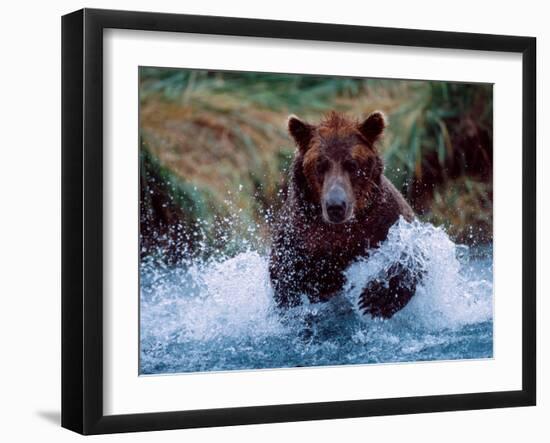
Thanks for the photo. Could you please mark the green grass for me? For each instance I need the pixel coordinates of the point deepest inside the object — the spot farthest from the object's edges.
(215, 132)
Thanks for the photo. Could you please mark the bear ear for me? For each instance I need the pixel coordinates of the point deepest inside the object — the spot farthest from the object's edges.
(301, 132)
(373, 126)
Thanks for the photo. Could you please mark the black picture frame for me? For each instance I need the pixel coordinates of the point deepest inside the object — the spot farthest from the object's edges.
(82, 220)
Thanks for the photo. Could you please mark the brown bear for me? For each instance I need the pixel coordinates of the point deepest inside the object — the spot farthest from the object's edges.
(339, 207)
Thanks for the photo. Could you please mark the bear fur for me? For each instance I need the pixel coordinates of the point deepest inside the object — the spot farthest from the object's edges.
(337, 161)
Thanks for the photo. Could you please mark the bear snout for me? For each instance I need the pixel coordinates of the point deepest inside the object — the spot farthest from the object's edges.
(336, 205)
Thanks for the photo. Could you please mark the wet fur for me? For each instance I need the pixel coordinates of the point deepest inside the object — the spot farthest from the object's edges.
(309, 255)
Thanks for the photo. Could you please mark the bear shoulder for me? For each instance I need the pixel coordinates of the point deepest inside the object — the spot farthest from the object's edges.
(396, 200)
(384, 212)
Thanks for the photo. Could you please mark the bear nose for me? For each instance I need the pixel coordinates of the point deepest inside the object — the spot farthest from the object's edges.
(336, 205)
(336, 213)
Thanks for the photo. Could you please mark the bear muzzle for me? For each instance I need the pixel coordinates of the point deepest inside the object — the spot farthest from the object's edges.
(337, 206)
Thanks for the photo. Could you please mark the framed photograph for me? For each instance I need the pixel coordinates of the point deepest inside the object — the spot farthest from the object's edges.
(269, 221)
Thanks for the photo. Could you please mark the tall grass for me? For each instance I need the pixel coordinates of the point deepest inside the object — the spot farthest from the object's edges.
(223, 133)
(272, 91)
(425, 142)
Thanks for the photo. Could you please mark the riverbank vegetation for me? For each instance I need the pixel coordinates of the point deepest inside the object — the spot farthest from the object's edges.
(214, 151)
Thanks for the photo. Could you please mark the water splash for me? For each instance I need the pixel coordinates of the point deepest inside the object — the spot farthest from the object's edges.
(447, 297)
(218, 314)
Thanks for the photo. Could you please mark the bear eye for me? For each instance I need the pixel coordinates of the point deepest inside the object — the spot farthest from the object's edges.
(323, 165)
(351, 166)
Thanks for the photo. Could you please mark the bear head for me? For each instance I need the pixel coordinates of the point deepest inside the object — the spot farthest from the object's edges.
(340, 163)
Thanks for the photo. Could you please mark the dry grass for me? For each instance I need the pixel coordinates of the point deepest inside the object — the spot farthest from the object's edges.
(225, 139)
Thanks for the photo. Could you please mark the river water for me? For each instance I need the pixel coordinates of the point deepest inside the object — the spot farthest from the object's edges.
(218, 314)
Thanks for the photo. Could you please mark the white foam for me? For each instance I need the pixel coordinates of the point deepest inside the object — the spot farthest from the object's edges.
(445, 298)
(231, 298)
(219, 314)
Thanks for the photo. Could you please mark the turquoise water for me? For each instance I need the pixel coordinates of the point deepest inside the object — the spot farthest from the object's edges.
(218, 314)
